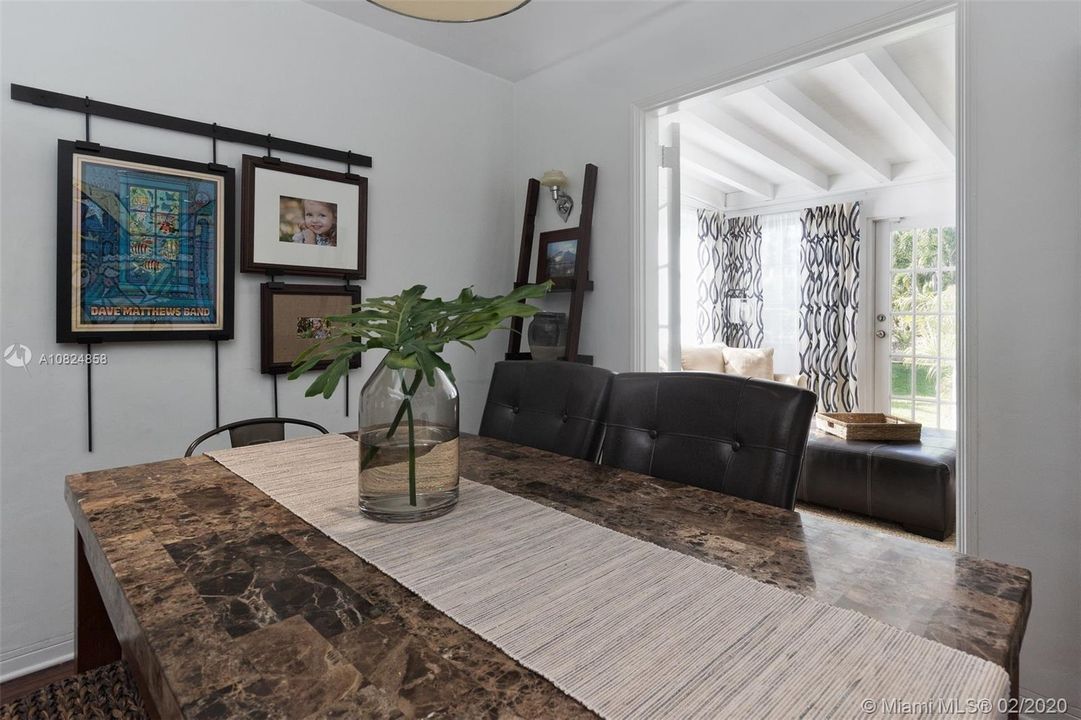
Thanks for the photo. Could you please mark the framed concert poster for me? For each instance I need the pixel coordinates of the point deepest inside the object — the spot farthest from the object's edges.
(302, 220)
(144, 247)
(295, 317)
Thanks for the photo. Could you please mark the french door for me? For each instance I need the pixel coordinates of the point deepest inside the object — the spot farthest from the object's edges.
(915, 321)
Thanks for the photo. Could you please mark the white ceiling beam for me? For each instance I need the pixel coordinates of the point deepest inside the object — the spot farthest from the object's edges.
(702, 192)
(790, 102)
(882, 73)
(713, 121)
(710, 165)
(694, 173)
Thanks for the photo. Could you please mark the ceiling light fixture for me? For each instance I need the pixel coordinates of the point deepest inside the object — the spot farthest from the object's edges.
(451, 11)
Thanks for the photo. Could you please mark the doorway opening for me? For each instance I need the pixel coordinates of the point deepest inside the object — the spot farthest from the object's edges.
(810, 211)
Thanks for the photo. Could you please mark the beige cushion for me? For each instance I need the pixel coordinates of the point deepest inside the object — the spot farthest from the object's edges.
(710, 358)
(799, 381)
(704, 358)
(749, 362)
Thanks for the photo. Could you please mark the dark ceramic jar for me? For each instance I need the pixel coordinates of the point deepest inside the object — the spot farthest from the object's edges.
(548, 336)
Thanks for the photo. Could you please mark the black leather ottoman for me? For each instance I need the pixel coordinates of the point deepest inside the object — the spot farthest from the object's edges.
(907, 483)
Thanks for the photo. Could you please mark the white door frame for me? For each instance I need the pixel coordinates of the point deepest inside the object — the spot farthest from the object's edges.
(645, 160)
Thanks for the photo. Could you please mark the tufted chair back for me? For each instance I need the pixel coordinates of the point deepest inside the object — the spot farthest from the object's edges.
(556, 406)
(736, 435)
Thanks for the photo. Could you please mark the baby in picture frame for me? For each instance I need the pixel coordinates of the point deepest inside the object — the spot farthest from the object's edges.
(320, 224)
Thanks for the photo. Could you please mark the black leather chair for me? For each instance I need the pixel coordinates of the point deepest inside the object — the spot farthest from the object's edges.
(735, 435)
(254, 431)
(556, 406)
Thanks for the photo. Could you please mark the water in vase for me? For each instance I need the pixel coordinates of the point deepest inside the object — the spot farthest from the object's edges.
(408, 446)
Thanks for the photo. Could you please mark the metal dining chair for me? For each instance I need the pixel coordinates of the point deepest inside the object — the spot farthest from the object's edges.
(736, 435)
(556, 406)
(254, 431)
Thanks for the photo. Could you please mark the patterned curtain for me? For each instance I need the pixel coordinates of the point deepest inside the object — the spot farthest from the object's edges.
(830, 276)
(741, 283)
(709, 263)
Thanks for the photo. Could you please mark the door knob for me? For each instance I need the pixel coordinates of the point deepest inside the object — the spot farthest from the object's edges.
(880, 334)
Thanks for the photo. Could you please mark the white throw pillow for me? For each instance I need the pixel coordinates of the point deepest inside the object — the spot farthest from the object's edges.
(704, 358)
(799, 381)
(749, 362)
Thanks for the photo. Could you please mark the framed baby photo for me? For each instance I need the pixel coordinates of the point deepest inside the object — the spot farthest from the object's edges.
(302, 220)
(295, 317)
(144, 247)
(557, 254)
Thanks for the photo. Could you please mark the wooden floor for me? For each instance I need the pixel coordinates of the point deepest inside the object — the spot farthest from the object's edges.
(12, 690)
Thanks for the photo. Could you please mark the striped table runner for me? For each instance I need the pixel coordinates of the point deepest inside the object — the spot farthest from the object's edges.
(629, 629)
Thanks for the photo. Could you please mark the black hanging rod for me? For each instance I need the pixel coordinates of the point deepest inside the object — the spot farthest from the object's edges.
(47, 98)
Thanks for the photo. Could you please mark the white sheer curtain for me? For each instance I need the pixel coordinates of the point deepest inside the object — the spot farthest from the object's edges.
(781, 290)
(781, 236)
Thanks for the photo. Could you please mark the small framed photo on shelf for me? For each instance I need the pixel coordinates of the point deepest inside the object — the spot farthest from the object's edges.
(295, 317)
(302, 220)
(144, 247)
(556, 257)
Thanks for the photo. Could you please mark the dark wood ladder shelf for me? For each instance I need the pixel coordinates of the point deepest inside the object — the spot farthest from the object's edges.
(578, 287)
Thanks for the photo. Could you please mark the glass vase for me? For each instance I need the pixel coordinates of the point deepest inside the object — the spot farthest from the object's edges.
(408, 446)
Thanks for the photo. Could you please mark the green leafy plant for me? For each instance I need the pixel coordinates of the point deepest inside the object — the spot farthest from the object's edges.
(413, 330)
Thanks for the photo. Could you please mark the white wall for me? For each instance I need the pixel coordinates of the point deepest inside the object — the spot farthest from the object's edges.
(440, 213)
(579, 111)
(1025, 105)
(1026, 293)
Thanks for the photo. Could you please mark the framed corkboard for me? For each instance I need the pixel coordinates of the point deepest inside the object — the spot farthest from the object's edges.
(294, 317)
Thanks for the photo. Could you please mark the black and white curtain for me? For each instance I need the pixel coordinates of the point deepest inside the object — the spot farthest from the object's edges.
(708, 320)
(829, 304)
(740, 283)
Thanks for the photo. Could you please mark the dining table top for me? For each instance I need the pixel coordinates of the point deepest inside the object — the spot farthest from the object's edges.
(229, 605)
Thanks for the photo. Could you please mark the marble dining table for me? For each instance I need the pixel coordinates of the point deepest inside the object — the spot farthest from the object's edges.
(225, 604)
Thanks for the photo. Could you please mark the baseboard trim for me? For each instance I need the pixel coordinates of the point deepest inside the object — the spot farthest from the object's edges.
(35, 659)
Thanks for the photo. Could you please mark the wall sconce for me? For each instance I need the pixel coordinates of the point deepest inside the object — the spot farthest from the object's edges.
(556, 181)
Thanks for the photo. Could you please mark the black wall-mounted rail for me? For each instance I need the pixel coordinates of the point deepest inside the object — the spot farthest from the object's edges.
(47, 98)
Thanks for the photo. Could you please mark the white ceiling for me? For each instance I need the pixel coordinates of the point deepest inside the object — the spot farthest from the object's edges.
(882, 115)
(541, 34)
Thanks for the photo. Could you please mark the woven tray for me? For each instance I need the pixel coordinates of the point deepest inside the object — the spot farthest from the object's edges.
(869, 426)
